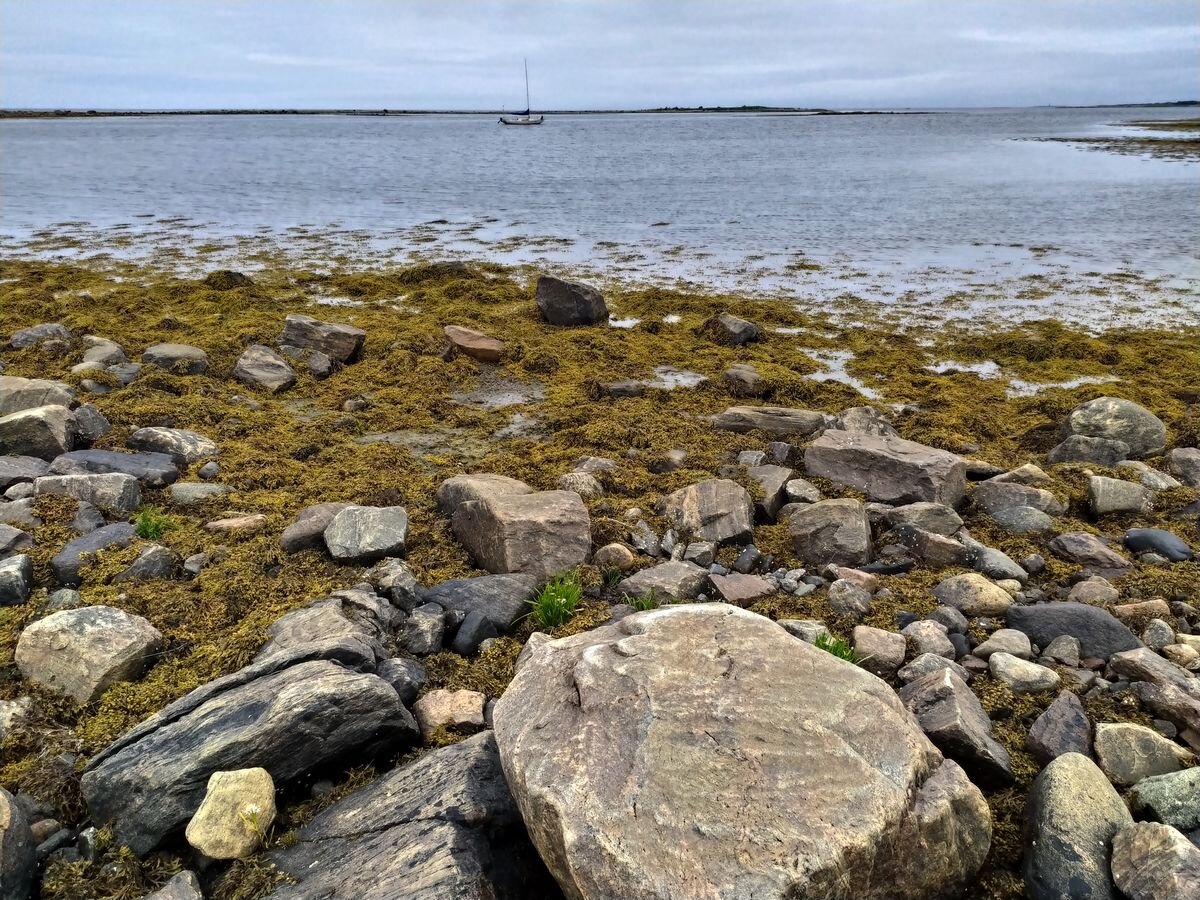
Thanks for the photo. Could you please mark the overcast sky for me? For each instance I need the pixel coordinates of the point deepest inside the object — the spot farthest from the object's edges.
(460, 54)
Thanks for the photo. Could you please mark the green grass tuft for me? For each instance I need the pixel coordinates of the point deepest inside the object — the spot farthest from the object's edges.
(839, 647)
(151, 525)
(643, 603)
(557, 601)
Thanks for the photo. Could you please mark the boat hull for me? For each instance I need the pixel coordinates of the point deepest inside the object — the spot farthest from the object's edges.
(521, 120)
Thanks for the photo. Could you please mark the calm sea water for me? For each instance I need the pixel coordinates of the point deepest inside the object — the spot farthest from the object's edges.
(722, 186)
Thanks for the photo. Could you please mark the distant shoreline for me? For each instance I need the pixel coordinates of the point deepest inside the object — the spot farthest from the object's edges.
(144, 113)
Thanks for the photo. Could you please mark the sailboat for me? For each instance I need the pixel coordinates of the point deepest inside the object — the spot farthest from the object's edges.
(523, 118)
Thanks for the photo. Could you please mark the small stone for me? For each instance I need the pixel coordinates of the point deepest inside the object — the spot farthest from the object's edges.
(740, 589)
(182, 886)
(700, 553)
(194, 493)
(457, 711)
(1063, 728)
(261, 367)
(881, 652)
(1022, 677)
(930, 662)
(675, 580)
(569, 303)
(16, 579)
(1006, 640)
(425, 629)
(585, 485)
(927, 636)
(474, 344)
(1128, 753)
(730, 331)
(407, 676)
(236, 814)
(848, 599)
(1158, 634)
(366, 534)
(182, 359)
(1096, 591)
(613, 556)
(1064, 649)
(972, 595)
(209, 470)
(1086, 549)
(1184, 464)
(1173, 799)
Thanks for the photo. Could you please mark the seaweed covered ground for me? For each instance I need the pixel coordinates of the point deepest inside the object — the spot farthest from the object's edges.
(387, 429)
(1182, 142)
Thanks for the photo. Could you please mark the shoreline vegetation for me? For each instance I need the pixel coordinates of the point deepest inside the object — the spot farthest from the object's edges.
(527, 400)
(1175, 148)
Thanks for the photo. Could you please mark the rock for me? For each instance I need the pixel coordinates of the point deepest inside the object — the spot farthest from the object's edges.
(927, 636)
(442, 826)
(13, 540)
(1081, 448)
(425, 629)
(154, 563)
(16, 580)
(67, 565)
(1184, 464)
(43, 432)
(1158, 634)
(358, 619)
(666, 581)
(583, 484)
(1107, 496)
(27, 337)
(17, 394)
(392, 578)
(1152, 861)
(1173, 799)
(1073, 813)
(474, 344)
(848, 599)
(955, 721)
(18, 864)
(182, 359)
(991, 562)
(20, 469)
(1146, 665)
(1063, 728)
(341, 343)
(263, 368)
(955, 622)
(472, 632)
(1086, 549)
(773, 481)
(740, 589)
(14, 713)
(932, 550)
(19, 513)
(290, 713)
(569, 302)
(716, 764)
(407, 676)
(730, 331)
(82, 652)
(245, 524)
(308, 531)
(716, 510)
(366, 534)
(1156, 540)
(1096, 591)
(209, 470)
(114, 492)
(90, 424)
(182, 886)
(541, 534)
(1151, 478)
(501, 599)
(1021, 676)
(797, 490)
(930, 662)
(455, 711)
(236, 814)
(994, 496)
(64, 598)
(184, 447)
(1005, 640)
(881, 652)
(772, 420)
(972, 595)
(613, 556)
(743, 380)
(226, 280)
(195, 493)
(1118, 420)
(1023, 520)
(1128, 753)
(936, 518)
(866, 419)
(463, 488)
(887, 469)
(832, 531)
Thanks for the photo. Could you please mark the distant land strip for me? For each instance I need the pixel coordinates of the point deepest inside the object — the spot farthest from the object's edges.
(134, 113)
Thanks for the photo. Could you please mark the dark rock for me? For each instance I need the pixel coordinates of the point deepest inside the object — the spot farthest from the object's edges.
(773, 420)
(341, 343)
(1084, 449)
(308, 531)
(151, 469)
(181, 359)
(90, 424)
(18, 863)
(730, 331)
(27, 337)
(87, 518)
(43, 432)
(570, 303)
(474, 630)
(393, 579)
(932, 550)
(407, 676)
(1099, 632)
(155, 563)
(68, 563)
(425, 629)
(16, 579)
(832, 531)
(1063, 728)
(1165, 543)
(18, 469)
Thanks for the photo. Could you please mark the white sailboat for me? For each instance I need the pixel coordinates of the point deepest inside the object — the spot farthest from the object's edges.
(523, 118)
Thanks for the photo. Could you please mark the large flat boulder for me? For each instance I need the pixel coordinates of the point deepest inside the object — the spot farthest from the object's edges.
(366, 534)
(443, 826)
(114, 492)
(500, 599)
(888, 469)
(17, 394)
(717, 510)
(341, 343)
(290, 714)
(183, 446)
(540, 534)
(1118, 420)
(569, 302)
(673, 580)
(41, 431)
(832, 531)
(773, 420)
(701, 750)
(461, 488)
(183, 359)
(151, 469)
(1099, 632)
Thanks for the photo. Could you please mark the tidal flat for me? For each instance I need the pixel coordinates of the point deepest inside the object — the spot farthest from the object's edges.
(390, 427)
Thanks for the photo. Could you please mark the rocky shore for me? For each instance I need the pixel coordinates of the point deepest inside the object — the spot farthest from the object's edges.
(468, 586)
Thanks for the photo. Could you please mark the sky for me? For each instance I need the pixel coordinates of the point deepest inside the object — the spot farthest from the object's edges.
(594, 54)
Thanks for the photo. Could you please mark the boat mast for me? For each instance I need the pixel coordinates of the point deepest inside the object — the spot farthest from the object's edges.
(526, 87)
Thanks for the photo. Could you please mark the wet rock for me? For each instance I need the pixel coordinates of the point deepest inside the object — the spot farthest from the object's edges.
(1156, 540)
(262, 368)
(675, 580)
(540, 534)
(1173, 799)
(82, 652)
(972, 595)
(114, 492)
(936, 518)
(308, 531)
(455, 711)
(341, 343)
(802, 715)
(67, 565)
(1118, 420)
(887, 469)
(569, 303)
(730, 331)
(366, 534)
(715, 510)
(1086, 549)
(772, 420)
(1063, 728)
(236, 814)
(18, 864)
(27, 337)
(881, 652)
(42, 431)
(1073, 813)
(1184, 464)
(1128, 753)
(1081, 448)
(995, 496)
(1023, 520)
(151, 469)
(1108, 496)
(832, 531)
(1021, 676)
(1152, 861)
(289, 714)
(20, 469)
(184, 447)
(154, 563)
(182, 359)
(464, 488)
(953, 718)
(443, 826)
(501, 599)
(17, 394)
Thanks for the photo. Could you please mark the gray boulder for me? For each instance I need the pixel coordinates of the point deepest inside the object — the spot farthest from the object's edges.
(308, 531)
(730, 331)
(184, 447)
(16, 580)
(771, 420)
(341, 343)
(151, 469)
(1173, 799)
(113, 492)
(47, 331)
(995, 496)
(540, 534)
(1081, 448)
(1118, 420)
(67, 565)
(182, 886)
(888, 469)
(18, 394)
(18, 864)
(290, 713)
(261, 367)
(19, 469)
(365, 534)
(676, 580)
(832, 531)
(648, 759)
(1152, 861)
(716, 510)
(569, 302)
(1184, 464)
(462, 488)
(936, 518)
(500, 599)
(1107, 496)
(1099, 633)
(42, 431)
(356, 619)
(1086, 549)
(1063, 728)
(182, 359)
(1156, 540)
